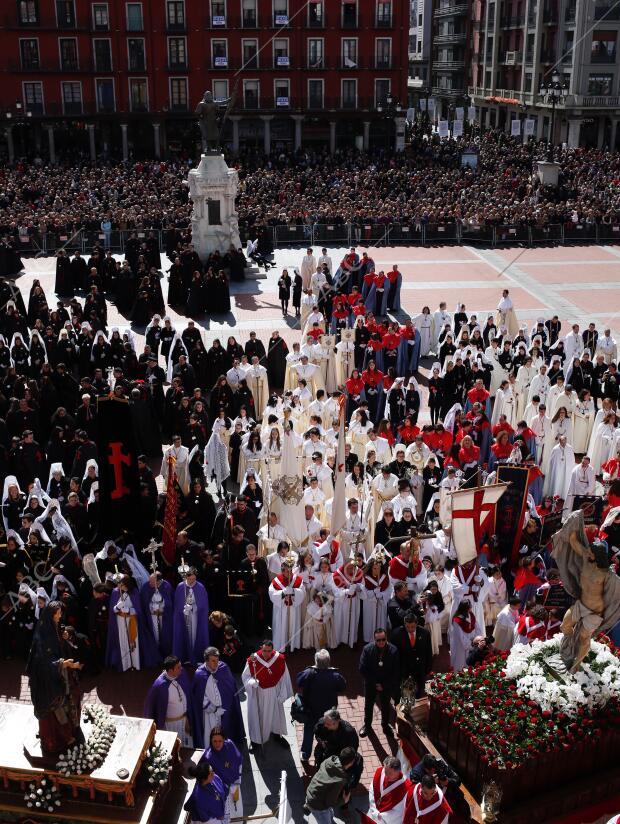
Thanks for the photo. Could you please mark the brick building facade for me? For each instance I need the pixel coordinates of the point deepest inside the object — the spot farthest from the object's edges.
(125, 77)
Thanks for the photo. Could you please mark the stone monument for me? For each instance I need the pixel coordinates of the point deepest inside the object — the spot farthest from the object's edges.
(213, 185)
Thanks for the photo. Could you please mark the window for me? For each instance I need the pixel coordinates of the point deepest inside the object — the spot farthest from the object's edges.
(316, 14)
(65, 14)
(178, 94)
(103, 55)
(349, 14)
(177, 52)
(419, 20)
(600, 84)
(315, 54)
(349, 53)
(138, 95)
(603, 47)
(105, 95)
(349, 94)
(175, 14)
(280, 52)
(218, 12)
(101, 19)
(280, 12)
(68, 54)
(220, 90)
(383, 53)
(219, 51)
(251, 92)
(384, 13)
(29, 54)
(28, 11)
(315, 94)
(136, 59)
(250, 54)
(33, 97)
(282, 92)
(382, 89)
(71, 98)
(248, 14)
(135, 21)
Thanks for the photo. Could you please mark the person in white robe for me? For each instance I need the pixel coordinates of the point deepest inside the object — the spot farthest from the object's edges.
(441, 318)
(506, 316)
(290, 375)
(315, 497)
(235, 374)
(583, 422)
(464, 627)
(531, 411)
(270, 535)
(349, 581)
(325, 260)
(607, 347)
(446, 587)
(541, 427)
(573, 344)
(317, 280)
(471, 585)
(601, 442)
(425, 326)
(268, 685)
(281, 555)
(327, 350)
(383, 488)
(375, 594)
(383, 450)
(287, 594)
(561, 465)
(258, 384)
(540, 385)
(525, 376)
(562, 425)
(499, 374)
(582, 483)
(432, 619)
(319, 629)
(180, 454)
(353, 533)
(505, 404)
(345, 360)
(307, 268)
(177, 711)
(553, 395)
(505, 625)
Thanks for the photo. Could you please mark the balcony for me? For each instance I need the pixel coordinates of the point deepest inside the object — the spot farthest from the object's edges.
(451, 93)
(383, 63)
(601, 101)
(384, 22)
(318, 64)
(455, 37)
(603, 57)
(512, 22)
(511, 58)
(607, 11)
(177, 66)
(175, 27)
(451, 10)
(47, 22)
(249, 21)
(448, 65)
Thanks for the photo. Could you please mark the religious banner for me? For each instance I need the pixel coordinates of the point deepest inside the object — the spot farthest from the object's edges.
(169, 534)
(473, 512)
(529, 127)
(442, 128)
(471, 114)
(119, 482)
(459, 112)
(287, 501)
(457, 128)
(515, 127)
(510, 511)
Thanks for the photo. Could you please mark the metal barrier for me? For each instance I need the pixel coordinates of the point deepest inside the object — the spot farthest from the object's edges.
(341, 234)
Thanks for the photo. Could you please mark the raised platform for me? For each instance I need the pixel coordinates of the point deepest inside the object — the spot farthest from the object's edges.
(101, 797)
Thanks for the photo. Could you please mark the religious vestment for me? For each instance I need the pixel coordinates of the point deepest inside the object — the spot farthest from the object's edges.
(168, 703)
(190, 629)
(268, 686)
(287, 598)
(215, 703)
(386, 802)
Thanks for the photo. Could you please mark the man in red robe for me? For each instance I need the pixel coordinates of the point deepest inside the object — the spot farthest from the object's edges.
(426, 804)
(387, 794)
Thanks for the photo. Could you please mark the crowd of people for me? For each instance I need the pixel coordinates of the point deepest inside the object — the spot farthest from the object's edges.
(426, 184)
(234, 418)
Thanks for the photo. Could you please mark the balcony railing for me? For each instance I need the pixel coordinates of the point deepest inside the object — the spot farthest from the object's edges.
(607, 11)
(175, 27)
(384, 22)
(178, 65)
(448, 65)
(453, 91)
(603, 57)
(451, 10)
(455, 37)
(602, 101)
(512, 22)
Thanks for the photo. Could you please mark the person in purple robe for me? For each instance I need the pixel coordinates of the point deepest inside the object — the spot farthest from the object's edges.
(168, 702)
(156, 597)
(207, 803)
(190, 628)
(215, 700)
(227, 762)
(129, 646)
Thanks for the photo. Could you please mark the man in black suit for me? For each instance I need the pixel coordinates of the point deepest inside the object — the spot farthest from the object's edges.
(413, 643)
(380, 669)
(401, 604)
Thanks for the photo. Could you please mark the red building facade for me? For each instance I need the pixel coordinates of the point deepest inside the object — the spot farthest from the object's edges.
(125, 77)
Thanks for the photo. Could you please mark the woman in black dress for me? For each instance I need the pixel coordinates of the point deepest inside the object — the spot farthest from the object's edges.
(176, 292)
(284, 291)
(297, 291)
(197, 296)
(222, 398)
(63, 285)
(219, 294)
(276, 360)
(234, 349)
(218, 362)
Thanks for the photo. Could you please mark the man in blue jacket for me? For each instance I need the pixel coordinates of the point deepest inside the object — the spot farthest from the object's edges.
(320, 687)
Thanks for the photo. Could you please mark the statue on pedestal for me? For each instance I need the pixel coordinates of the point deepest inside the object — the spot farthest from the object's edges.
(210, 122)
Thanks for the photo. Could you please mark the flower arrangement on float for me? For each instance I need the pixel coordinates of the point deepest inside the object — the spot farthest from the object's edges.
(512, 707)
(89, 755)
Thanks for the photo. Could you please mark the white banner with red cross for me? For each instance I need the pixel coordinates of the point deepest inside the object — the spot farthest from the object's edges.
(473, 514)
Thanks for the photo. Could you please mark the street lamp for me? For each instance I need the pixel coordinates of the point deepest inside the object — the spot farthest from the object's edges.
(388, 111)
(552, 93)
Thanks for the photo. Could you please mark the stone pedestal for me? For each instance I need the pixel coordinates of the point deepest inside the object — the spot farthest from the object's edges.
(548, 172)
(213, 189)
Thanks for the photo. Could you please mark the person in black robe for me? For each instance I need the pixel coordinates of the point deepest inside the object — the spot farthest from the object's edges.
(197, 298)
(56, 704)
(201, 512)
(142, 310)
(63, 284)
(255, 348)
(79, 271)
(126, 286)
(234, 349)
(218, 294)
(276, 360)
(222, 397)
(218, 362)
(236, 264)
(297, 292)
(284, 291)
(145, 424)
